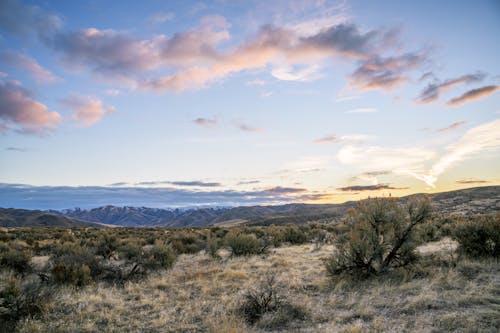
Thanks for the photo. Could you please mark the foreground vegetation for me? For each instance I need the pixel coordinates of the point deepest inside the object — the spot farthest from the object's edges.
(311, 278)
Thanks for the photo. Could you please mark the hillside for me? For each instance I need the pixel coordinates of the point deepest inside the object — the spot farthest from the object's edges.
(470, 201)
(10, 217)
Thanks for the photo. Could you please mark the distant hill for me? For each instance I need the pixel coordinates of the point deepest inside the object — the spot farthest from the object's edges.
(478, 200)
(10, 217)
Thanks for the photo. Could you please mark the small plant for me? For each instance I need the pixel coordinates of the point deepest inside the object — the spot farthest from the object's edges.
(267, 306)
(380, 237)
(480, 237)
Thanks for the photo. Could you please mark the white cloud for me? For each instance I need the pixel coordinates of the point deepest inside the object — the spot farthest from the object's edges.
(362, 110)
(307, 73)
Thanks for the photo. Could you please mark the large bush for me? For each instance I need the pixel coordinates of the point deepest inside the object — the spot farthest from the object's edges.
(380, 236)
(22, 298)
(244, 244)
(479, 237)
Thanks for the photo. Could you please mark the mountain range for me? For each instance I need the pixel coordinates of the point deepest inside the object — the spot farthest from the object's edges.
(478, 200)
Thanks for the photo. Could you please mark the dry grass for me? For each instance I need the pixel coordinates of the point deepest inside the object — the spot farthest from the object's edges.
(200, 294)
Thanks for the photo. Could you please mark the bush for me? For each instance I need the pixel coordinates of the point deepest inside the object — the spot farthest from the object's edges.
(76, 266)
(294, 235)
(18, 260)
(19, 299)
(380, 237)
(243, 244)
(268, 306)
(159, 256)
(480, 237)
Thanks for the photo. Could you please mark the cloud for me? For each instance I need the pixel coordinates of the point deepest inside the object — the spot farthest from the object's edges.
(371, 176)
(255, 82)
(396, 160)
(24, 20)
(119, 184)
(479, 139)
(87, 110)
(362, 110)
(161, 17)
(248, 182)
(353, 138)
(360, 188)
(452, 126)
(473, 95)
(60, 197)
(432, 91)
(196, 183)
(205, 122)
(471, 181)
(20, 112)
(385, 73)
(308, 73)
(28, 64)
(246, 128)
(17, 149)
(112, 92)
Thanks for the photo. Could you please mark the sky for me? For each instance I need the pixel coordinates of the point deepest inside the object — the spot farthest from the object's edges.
(226, 103)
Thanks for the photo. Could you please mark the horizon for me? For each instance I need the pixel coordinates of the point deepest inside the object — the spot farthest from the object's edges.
(241, 103)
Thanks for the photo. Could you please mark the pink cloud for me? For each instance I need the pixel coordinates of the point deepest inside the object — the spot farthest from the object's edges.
(28, 64)
(473, 95)
(87, 110)
(20, 112)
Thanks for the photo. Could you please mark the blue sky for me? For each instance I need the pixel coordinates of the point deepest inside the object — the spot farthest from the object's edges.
(245, 102)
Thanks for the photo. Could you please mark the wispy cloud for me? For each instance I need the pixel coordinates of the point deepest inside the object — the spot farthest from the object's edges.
(362, 110)
(371, 176)
(473, 95)
(21, 113)
(197, 183)
(476, 140)
(28, 64)
(246, 127)
(386, 73)
(112, 92)
(432, 92)
(451, 127)
(205, 122)
(471, 181)
(17, 149)
(353, 138)
(87, 110)
(303, 74)
(161, 17)
(361, 188)
(255, 82)
(25, 20)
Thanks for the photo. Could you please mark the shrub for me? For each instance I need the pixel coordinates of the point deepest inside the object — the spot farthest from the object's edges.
(20, 299)
(380, 237)
(106, 246)
(17, 260)
(267, 304)
(479, 238)
(294, 235)
(77, 266)
(159, 256)
(243, 244)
